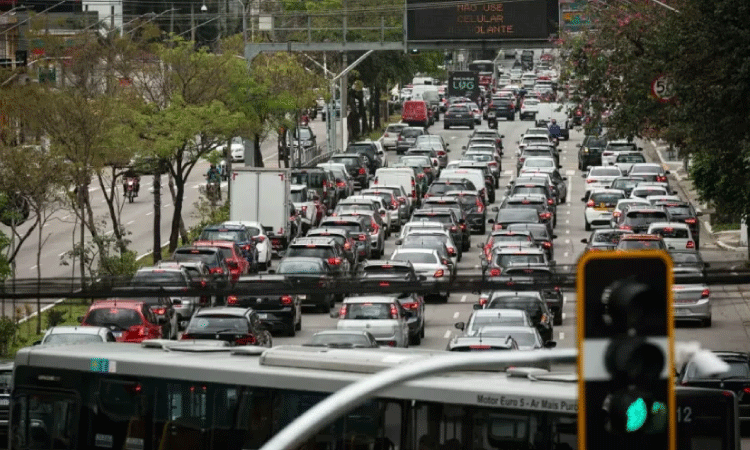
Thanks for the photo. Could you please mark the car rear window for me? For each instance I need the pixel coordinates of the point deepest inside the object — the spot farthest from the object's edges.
(529, 190)
(646, 216)
(311, 252)
(349, 207)
(368, 311)
(190, 255)
(505, 260)
(410, 133)
(72, 338)
(442, 188)
(499, 319)
(633, 244)
(416, 257)
(158, 277)
(531, 306)
(220, 235)
(647, 169)
(608, 200)
(310, 179)
(348, 226)
(671, 233)
(387, 268)
(605, 172)
(511, 238)
(678, 210)
(217, 324)
(121, 318)
(631, 158)
(299, 267)
(393, 128)
(348, 161)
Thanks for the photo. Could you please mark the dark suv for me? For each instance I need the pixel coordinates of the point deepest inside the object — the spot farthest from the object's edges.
(233, 233)
(638, 218)
(445, 216)
(319, 180)
(407, 138)
(590, 151)
(369, 151)
(503, 107)
(325, 248)
(356, 166)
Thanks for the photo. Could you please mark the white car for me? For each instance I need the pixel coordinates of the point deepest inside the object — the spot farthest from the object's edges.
(676, 235)
(237, 149)
(304, 205)
(454, 252)
(529, 109)
(76, 335)
(262, 242)
(625, 160)
(600, 177)
(382, 316)
(385, 212)
(532, 139)
(663, 198)
(497, 317)
(538, 162)
(427, 262)
(626, 203)
(390, 135)
(410, 227)
(645, 190)
(600, 206)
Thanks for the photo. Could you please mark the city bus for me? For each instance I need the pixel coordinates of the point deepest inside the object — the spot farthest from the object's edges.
(162, 395)
(485, 70)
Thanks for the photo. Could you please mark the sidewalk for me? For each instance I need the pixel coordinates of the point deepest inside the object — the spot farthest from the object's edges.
(727, 240)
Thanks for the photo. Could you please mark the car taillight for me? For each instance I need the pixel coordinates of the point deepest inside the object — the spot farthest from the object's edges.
(547, 244)
(690, 244)
(217, 270)
(452, 251)
(690, 221)
(304, 210)
(286, 300)
(590, 204)
(438, 273)
(160, 310)
(246, 340)
(426, 195)
(411, 305)
(482, 301)
(394, 204)
(391, 343)
(402, 200)
(492, 163)
(231, 300)
(521, 160)
(260, 238)
(480, 206)
(625, 227)
(347, 245)
(661, 179)
(497, 227)
(706, 293)
(413, 193)
(590, 180)
(341, 184)
(186, 336)
(545, 216)
(142, 331)
(616, 214)
(453, 228)
(550, 201)
(463, 226)
(334, 261)
(362, 237)
(375, 227)
(545, 318)
(385, 134)
(441, 153)
(394, 311)
(495, 272)
(342, 311)
(204, 283)
(427, 169)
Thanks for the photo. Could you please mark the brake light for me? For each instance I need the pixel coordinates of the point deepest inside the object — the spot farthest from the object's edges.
(375, 227)
(347, 245)
(160, 310)
(385, 134)
(186, 336)
(204, 283)
(260, 238)
(362, 171)
(547, 244)
(495, 272)
(340, 184)
(362, 237)
(231, 300)
(142, 331)
(413, 193)
(497, 227)
(690, 221)
(286, 300)
(746, 391)
(590, 204)
(304, 211)
(411, 305)
(590, 180)
(342, 311)
(492, 163)
(216, 270)
(706, 293)
(521, 159)
(690, 244)
(334, 261)
(550, 202)
(453, 228)
(625, 227)
(480, 206)
(482, 301)
(394, 311)
(661, 179)
(463, 226)
(545, 216)
(452, 251)
(391, 343)
(616, 214)
(438, 273)
(247, 340)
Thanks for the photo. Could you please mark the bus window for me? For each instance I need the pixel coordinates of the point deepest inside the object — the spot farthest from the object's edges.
(184, 422)
(44, 421)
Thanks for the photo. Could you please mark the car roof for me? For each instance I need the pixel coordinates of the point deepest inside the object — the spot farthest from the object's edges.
(497, 311)
(117, 303)
(223, 310)
(639, 237)
(371, 299)
(77, 329)
(315, 240)
(415, 250)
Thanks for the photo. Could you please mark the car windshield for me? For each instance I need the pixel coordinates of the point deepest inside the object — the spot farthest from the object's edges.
(505, 260)
(541, 162)
(631, 158)
(605, 199)
(310, 179)
(310, 252)
(604, 172)
(299, 267)
(737, 369)
(340, 339)
(121, 318)
(596, 143)
(368, 311)
(72, 338)
(158, 277)
(348, 161)
(480, 322)
(671, 233)
(216, 324)
(647, 169)
(221, 235)
(416, 257)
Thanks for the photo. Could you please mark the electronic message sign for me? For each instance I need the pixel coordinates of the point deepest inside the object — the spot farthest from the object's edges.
(428, 20)
(463, 84)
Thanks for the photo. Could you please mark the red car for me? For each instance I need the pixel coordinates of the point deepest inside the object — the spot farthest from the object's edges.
(130, 321)
(236, 261)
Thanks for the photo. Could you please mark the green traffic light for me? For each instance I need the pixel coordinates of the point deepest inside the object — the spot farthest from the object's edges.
(636, 415)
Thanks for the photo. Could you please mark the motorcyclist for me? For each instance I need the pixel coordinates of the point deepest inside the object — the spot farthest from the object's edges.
(554, 130)
(130, 174)
(213, 176)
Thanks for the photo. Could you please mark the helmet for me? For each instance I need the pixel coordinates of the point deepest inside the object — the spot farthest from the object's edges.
(554, 121)
(213, 166)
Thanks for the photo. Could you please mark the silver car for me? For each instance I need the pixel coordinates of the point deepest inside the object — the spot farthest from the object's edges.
(76, 335)
(382, 316)
(428, 263)
(691, 301)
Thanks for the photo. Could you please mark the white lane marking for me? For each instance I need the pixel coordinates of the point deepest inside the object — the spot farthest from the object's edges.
(131, 222)
(61, 254)
(66, 217)
(104, 200)
(568, 213)
(476, 267)
(562, 336)
(567, 241)
(508, 173)
(565, 300)
(149, 213)
(570, 172)
(456, 314)
(463, 299)
(567, 231)
(567, 221)
(33, 267)
(196, 186)
(447, 334)
(167, 205)
(563, 316)
(92, 189)
(565, 157)
(275, 155)
(565, 255)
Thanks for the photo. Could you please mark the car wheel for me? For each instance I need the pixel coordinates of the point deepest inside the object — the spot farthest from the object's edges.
(421, 331)
(471, 127)
(707, 323)
(269, 339)
(292, 330)
(558, 318)
(415, 340)
(586, 225)
(483, 230)
(298, 325)
(446, 126)
(446, 297)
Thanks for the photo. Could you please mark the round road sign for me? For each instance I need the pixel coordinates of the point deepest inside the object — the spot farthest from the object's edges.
(661, 88)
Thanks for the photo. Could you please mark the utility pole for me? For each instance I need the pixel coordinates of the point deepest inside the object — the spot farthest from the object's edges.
(344, 106)
(192, 22)
(171, 20)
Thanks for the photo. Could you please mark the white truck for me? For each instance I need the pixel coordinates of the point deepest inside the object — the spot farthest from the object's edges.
(264, 196)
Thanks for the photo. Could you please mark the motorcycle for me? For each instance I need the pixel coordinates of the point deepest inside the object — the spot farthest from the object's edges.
(492, 120)
(131, 185)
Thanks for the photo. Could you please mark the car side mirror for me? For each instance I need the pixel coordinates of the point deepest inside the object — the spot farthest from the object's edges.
(674, 192)
(584, 175)
(559, 167)
(329, 212)
(271, 271)
(502, 136)
(666, 172)
(477, 306)
(698, 213)
(550, 344)
(334, 314)
(706, 265)
(161, 320)
(422, 278)
(480, 246)
(399, 241)
(552, 263)
(640, 149)
(79, 319)
(490, 220)
(554, 236)
(460, 326)
(495, 209)
(37, 343)
(583, 199)
(584, 241)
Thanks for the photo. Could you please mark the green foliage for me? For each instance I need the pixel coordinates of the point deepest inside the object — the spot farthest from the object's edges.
(208, 215)
(119, 264)
(55, 317)
(7, 331)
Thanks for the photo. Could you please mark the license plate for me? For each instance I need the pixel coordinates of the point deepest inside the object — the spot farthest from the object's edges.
(303, 297)
(262, 316)
(117, 334)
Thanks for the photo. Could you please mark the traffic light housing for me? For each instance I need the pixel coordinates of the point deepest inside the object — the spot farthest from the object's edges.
(625, 358)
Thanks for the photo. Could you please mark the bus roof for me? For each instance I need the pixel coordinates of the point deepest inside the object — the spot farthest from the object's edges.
(316, 370)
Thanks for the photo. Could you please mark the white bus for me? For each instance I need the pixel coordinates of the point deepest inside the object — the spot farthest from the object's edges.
(170, 395)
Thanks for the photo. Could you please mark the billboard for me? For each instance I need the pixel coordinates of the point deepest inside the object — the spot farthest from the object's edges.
(463, 84)
(573, 17)
(428, 20)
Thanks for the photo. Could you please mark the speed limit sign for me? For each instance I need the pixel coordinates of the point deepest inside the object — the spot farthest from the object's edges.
(661, 88)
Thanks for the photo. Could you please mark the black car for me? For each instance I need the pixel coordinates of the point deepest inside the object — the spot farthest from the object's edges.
(541, 235)
(503, 108)
(590, 152)
(474, 209)
(508, 216)
(626, 184)
(326, 248)
(536, 201)
(356, 166)
(358, 230)
(344, 238)
(638, 218)
(441, 187)
(319, 180)
(369, 151)
(537, 277)
(458, 115)
(604, 239)
(212, 257)
(530, 301)
(407, 138)
(310, 270)
(278, 312)
(238, 326)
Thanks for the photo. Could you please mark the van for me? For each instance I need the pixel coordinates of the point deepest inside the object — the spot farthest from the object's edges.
(417, 81)
(476, 176)
(415, 113)
(401, 176)
(430, 95)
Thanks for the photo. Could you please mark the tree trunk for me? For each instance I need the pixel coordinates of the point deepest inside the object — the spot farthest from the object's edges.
(177, 213)
(110, 199)
(258, 152)
(363, 113)
(82, 261)
(183, 230)
(282, 145)
(157, 217)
